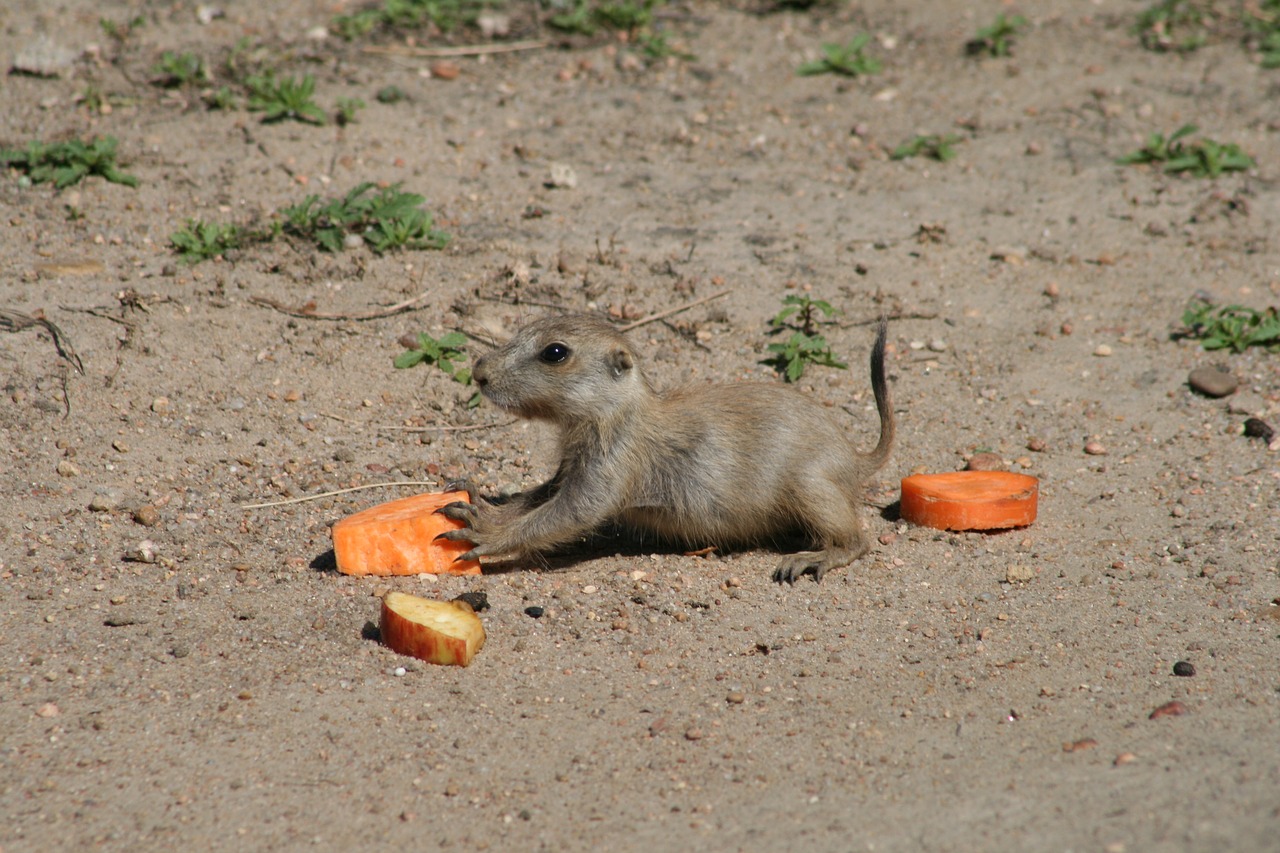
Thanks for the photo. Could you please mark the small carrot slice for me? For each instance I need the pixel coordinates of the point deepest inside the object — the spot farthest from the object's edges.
(970, 500)
(399, 538)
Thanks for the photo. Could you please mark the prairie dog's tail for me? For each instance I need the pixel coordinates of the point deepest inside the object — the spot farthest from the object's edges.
(884, 402)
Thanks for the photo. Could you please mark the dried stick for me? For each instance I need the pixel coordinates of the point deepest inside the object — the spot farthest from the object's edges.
(653, 318)
(398, 308)
(306, 498)
(16, 321)
(460, 50)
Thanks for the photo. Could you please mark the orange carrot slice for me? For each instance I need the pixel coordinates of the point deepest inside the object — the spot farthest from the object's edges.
(399, 538)
(970, 500)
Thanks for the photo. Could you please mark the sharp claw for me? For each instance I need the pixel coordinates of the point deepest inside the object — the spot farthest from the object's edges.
(470, 555)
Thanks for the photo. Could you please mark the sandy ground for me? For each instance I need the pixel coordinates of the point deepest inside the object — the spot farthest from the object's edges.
(178, 670)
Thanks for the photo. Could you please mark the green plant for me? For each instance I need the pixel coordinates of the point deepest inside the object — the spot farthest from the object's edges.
(629, 16)
(386, 220)
(847, 59)
(121, 32)
(580, 18)
(1232, 326)
(390, 95)
(442, 352)
(67, 163)
(938, 146)
(283, 99)
(442, 14)
(1262, 23)
(174, 70)
(200, 241)
(221, 98)
(996, 39)
(805, 346)
(1202, 158)
(655, 46)
(1180, 25)
(346, 110)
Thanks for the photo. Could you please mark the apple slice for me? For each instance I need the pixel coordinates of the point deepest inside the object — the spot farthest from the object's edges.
(443, 632)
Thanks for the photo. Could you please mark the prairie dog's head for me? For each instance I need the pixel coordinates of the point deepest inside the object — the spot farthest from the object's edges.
(562, 369)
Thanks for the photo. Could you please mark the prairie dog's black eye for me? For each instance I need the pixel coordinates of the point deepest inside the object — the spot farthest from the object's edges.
(554, 353)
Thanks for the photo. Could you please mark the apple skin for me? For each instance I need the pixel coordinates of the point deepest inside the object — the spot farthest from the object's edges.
(440, 632)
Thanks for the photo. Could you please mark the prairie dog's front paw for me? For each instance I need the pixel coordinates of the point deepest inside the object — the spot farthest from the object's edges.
(460, 511)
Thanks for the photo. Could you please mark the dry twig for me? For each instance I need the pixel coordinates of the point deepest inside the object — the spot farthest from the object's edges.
(308, 312)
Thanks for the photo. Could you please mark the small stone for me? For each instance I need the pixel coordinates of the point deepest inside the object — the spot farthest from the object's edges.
(1258, 428)
(1079, 745)
(1019, 573)
(67, 468)
(1102, 351)
(735, 698)
(588, 589)
(1168, 709)
(937, 345)
(120, 620)
(104, 500)
(1052, 290)
(1184, 669)
(146, 515)
(535, 611)
(1036, 445)
(1124, 758)
(144, 553)
(120, 446)
(445, 70)
(694, 734)
(985, 462)
(160, 405)
(888, 538)
(1212, 382)
(562, 176)
(1095, 448)
(48, 709)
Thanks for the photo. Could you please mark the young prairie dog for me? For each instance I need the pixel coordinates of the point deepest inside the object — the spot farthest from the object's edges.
(708, 465)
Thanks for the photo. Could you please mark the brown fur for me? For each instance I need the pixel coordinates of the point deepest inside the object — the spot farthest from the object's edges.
(722, 465)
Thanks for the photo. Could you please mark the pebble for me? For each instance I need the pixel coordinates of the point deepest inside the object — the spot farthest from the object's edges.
(1079, 745)
(985, 462)
(535, 611)
(1036, 445)
(1212, 382)
(48, 709)
(1095, 448)
(937, 345)
(1184, 669)
(67, 468)
(104, 500)
(146, 515)
(1258, 428)
(445, 70)
(160, 405)
(1019, 573)
(144, 553)
(1168, 709)
(1102, 351)
(562, 176)
(735, 698)
(1124, 758)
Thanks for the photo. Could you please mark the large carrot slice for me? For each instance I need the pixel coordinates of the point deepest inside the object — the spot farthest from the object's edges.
(399, 538)
(970, 500)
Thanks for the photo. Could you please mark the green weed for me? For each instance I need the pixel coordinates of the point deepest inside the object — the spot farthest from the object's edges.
(201, 241)
(386, 220)
(1232, 326)
(175, 70)
(805, 346)
(847, 59)
(1202, 158)
(443, 353)
(67, 163)
(1174, 25)
(996, 39)
(121, 32)
(283, 99)
(940, 147)
(347, 108)
(445, 15)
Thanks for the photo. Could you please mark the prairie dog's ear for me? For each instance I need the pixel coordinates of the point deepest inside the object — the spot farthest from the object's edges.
(619, 362)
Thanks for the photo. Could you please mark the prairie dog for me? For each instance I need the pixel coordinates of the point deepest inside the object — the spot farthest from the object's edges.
(721, 464)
